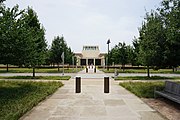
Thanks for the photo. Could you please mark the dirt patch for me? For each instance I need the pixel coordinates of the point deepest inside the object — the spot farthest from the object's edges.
(167, 108)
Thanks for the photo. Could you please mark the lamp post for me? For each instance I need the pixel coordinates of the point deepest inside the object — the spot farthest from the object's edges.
(108, 54)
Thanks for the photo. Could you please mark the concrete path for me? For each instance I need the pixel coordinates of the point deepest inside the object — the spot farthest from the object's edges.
(92, 103)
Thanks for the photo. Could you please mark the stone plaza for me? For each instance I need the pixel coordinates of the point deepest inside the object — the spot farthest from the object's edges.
(92, 103)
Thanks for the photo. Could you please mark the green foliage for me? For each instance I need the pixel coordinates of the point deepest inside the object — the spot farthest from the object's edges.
(36, 37)
(57, 48)
(152, 40)
(8, 33)
(136, 46)
(121, 54)
(159, 43)
(143, 89)
(22, 40)
(170, 12)
(2, 1)
(16, 98)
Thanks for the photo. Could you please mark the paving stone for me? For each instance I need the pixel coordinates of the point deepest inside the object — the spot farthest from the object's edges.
(68, 111)
(93, 111)
(151, 115)
(112, 102)
(120, 111)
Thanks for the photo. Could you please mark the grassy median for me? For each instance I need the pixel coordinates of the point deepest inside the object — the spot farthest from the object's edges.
(146, 78)
(140, 71)
(40, 70)
(143, 89)
(16, 98)
(37, 77)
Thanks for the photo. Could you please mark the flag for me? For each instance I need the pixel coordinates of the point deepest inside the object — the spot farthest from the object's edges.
(62, 57)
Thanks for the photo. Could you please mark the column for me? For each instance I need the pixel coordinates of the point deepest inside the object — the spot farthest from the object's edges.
(79, 61)
(86, 61)
(94, 62)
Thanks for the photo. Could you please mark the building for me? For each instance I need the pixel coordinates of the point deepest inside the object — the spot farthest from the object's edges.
(90, 56)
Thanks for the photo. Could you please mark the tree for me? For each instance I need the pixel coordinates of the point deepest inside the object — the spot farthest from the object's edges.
(8, 33)
(122, 53)
(57, 48)
(22, 38)
(113, 55)
(119, 54)
(131, 55)
(1, 1)
(38, 43)
(170, 12)
(136, 45)
(68, 56)
(152, 41)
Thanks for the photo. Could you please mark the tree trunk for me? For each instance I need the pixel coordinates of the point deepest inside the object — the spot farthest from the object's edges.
(58, 66)
(173, 68)
(7, 68)
(148, 71)
(123, 67)
(33, 71)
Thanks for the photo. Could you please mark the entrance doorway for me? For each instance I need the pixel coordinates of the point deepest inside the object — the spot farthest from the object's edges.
(90, 62)
(83, 61)
(98, 62)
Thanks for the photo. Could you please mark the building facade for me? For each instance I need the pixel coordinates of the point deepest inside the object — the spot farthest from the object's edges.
(90, 56)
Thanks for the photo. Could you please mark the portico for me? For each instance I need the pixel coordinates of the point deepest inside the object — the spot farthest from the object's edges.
(90, 56)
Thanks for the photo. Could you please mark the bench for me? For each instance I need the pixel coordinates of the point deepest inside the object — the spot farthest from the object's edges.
(171, 91)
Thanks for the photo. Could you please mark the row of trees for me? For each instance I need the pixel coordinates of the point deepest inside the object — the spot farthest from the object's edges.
(22, 37)
(22, 40)
(122, 54)
(159, 40)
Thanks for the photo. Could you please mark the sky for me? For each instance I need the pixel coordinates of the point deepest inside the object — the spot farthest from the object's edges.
(90, 22)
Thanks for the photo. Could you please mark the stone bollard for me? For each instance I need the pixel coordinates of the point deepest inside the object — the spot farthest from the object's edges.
(106, 84)
(78, 84)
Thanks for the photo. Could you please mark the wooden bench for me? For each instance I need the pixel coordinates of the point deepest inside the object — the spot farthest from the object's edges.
(171, 91)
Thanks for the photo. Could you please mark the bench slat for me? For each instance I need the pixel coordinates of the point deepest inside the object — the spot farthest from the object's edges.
(171, 91)
(172, 87)
(170, 96)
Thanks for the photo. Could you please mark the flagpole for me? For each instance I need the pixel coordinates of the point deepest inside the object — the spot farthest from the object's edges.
(62, 56)
(63, 67)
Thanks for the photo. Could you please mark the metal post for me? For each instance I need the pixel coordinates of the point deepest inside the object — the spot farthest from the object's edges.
(73, 62)
(106, 84)
(108, 59)
(78, 84)
(108, 54)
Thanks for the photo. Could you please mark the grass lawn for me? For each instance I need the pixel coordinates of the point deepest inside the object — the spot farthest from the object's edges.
(37, 77)
(42, 70)
(143, 89)
(146, 78)
(140, 71)
(16, 98)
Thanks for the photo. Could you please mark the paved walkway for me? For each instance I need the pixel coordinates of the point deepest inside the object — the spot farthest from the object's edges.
(92, 103)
